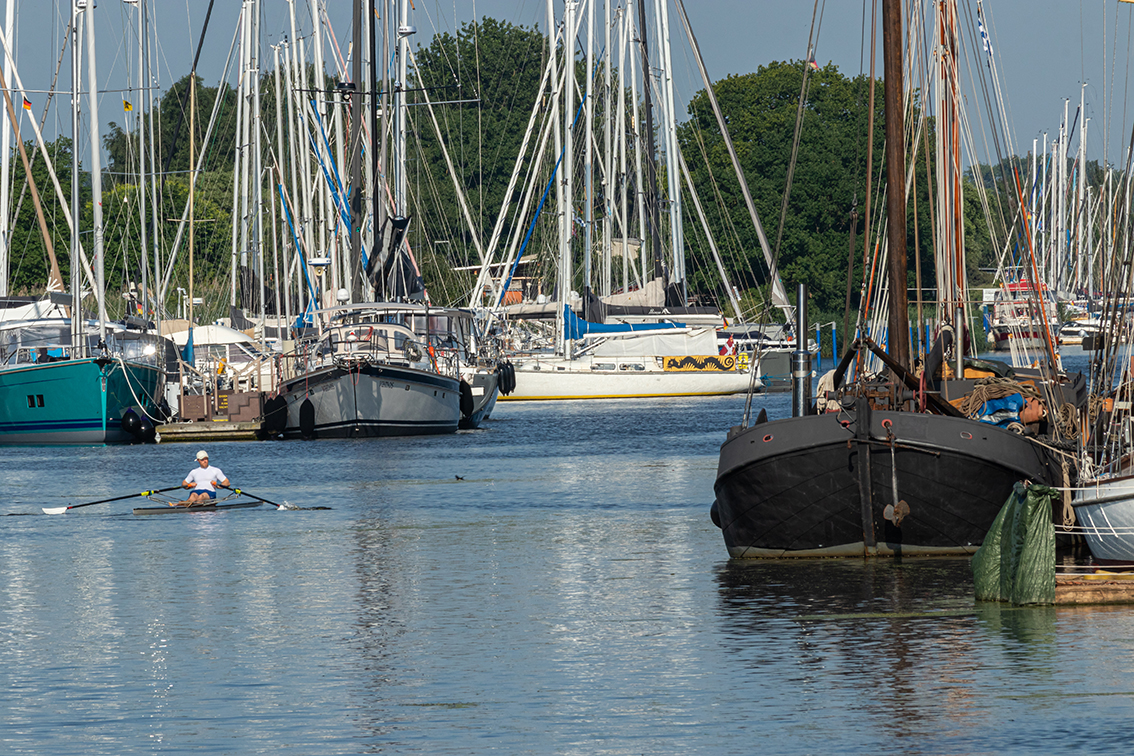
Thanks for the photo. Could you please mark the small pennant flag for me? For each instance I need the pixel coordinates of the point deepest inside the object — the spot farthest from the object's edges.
(27, 104)
(127, 106)
(813, 64)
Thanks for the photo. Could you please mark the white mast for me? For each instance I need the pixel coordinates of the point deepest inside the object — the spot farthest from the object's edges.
(257, 166)
(637, 131)
(567, 167)
(293, 160)
(159, 304)
(6, 153)
(625, 218)
(404, 32)
(1061, 189)
(96, 174)
(244, 166)
(238, 254)
(673, 172)
(588, 153)
(560, 207)
(1082, 186)
(608, 157)
(281, 280)
(78, 337)
(140, 99)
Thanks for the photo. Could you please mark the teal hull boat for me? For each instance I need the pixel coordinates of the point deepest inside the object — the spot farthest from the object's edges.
(94, 400)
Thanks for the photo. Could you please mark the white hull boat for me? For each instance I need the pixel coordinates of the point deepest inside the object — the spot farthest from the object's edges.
(1104, 514)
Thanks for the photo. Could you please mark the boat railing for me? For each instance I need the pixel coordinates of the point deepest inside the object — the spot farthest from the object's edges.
(380, 343)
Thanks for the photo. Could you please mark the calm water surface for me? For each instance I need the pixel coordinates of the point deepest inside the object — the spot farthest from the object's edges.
(569, 596)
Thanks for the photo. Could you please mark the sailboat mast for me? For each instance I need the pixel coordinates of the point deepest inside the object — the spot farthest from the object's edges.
(588, 156)
(356, 156)
(400, 110)
(96, 176)
(192, 180)
(566, 259)
(144, 246)
(78, 341)
(651, 180)
(377, 129)
(5, 153)
(898, 340)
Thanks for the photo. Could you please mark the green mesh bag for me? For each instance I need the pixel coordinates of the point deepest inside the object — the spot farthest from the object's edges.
(1016, 562)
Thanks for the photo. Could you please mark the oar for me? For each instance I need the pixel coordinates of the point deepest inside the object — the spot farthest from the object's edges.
(61, 510)
(239, 491)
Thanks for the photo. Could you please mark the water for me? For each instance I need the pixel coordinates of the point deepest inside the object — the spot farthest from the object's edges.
(569, 596)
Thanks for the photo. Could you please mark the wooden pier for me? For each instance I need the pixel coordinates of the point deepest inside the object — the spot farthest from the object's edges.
(1101, 587)
(210, 430)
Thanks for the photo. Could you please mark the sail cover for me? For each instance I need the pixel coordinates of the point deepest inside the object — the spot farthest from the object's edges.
(577, 328)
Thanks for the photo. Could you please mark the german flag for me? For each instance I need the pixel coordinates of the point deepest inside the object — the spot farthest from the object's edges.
(27, 104)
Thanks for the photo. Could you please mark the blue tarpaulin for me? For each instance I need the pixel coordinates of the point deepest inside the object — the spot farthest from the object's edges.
(1002, 411)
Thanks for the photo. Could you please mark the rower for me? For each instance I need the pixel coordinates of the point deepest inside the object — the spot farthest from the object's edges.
(203, 481)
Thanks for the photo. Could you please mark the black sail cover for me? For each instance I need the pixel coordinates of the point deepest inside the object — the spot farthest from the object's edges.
(390, 270)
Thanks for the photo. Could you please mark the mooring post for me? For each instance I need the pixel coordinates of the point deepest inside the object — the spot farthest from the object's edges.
(801, 359)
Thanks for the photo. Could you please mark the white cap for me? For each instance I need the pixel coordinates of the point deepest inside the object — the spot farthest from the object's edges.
(202, 454)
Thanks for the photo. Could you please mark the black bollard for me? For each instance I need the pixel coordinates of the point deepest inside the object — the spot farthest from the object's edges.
(801, 359)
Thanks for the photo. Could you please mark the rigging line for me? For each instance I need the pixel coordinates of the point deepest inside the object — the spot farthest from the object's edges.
(181, 111)
(35, 154)
(812, 39)
(733, 238)
(993, 125)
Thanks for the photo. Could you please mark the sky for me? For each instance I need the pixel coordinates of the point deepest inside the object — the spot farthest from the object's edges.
(1045, 49)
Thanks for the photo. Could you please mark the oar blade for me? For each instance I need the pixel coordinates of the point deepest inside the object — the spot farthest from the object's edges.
(54, 510)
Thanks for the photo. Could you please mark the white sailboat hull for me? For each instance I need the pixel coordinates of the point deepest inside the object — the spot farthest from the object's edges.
(602, 378)
(1104, 513)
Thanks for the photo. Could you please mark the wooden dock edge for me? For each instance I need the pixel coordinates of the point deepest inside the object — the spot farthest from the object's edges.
(1096, 588)
(210, 431)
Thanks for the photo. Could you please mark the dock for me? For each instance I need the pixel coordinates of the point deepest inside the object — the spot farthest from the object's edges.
(1100, 587)
(210, 430)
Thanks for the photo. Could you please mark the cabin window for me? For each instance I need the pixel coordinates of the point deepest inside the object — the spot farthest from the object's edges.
(31, 400)
(39, 400)
(602, 366)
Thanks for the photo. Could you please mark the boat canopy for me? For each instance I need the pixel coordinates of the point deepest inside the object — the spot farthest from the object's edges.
(699, 342)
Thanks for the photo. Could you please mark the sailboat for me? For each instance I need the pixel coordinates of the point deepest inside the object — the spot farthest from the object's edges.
(646, 341)
(888, 464)
(64, 378)
(376, 368)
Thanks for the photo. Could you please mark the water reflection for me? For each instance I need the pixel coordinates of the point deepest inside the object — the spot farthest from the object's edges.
(889, 641)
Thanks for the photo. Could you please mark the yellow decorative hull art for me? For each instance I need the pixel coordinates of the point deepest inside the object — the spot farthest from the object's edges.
(699, 364)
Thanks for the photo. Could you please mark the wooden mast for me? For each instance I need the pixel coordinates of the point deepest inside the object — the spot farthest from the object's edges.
(898, 339)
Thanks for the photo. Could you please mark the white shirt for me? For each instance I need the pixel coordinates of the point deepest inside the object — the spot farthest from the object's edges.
(203, 478)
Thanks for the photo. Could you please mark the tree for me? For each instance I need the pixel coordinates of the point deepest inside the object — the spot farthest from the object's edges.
(28, 266)
(499, 66)
(829, 180)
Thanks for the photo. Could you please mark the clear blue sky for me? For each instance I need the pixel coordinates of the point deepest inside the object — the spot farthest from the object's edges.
(1046, 48)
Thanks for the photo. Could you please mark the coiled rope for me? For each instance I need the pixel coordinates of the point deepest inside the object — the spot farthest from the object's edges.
(994, 387)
